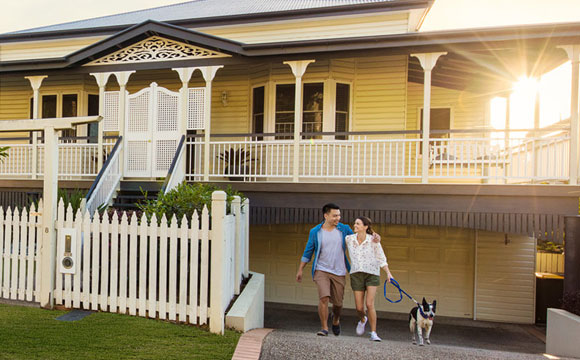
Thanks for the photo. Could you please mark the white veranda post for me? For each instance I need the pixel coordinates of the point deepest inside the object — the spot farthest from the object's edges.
(298, 69)
(50, 192)
(428, 61)
(184, 76)
(101, 79)
(122, 79)
(573, 52)
(35, 82)
(208, 73)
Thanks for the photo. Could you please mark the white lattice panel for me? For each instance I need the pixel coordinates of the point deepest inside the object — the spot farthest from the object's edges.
(137, 156)
(167, 111)
(195, 109)
(165, 151)
(111, 111)
(139, 112)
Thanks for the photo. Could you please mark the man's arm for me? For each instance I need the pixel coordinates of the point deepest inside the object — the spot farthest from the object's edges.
(299, 273)
(306, 257)
(376, 238)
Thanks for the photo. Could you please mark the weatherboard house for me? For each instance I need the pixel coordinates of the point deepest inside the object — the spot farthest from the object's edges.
(299, 103)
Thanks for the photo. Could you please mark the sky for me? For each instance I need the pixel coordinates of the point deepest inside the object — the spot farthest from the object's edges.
(444, 15)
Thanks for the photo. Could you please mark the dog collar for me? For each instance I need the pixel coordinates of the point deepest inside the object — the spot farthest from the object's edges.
(422, 313)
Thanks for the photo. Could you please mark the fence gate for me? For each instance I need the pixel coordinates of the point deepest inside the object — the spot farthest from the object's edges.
(151, 131)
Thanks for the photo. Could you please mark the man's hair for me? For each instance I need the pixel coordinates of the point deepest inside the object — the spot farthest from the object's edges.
(326, 208)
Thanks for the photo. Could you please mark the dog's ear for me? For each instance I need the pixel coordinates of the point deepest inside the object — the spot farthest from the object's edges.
(425, 301)
(434, 304)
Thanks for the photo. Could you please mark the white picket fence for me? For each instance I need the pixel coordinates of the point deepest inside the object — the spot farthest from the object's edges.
(19, 246)
(157, 269)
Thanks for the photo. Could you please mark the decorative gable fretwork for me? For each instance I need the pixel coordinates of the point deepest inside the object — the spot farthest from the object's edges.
(156, 48)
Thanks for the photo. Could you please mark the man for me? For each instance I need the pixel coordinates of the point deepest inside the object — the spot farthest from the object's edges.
(326, 242)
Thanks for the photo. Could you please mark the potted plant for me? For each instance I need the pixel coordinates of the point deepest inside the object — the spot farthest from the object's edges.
(237, 163)
(3, 152)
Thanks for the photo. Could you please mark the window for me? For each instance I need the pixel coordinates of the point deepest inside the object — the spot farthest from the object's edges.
(48, 106)
(69, 109)
(93, 109)
(312, 105)
(312, 109)
(440, 119)
(258, 111)
(342, 112)
(284, 120)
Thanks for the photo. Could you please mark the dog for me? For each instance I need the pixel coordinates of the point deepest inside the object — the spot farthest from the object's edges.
(422, 320)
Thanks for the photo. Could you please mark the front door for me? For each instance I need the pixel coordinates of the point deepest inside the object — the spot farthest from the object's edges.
(151, 131)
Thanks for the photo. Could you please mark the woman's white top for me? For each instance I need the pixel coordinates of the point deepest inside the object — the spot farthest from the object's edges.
(367, 257)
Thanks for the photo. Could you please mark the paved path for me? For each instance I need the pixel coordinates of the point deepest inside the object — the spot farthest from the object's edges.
(294, 338)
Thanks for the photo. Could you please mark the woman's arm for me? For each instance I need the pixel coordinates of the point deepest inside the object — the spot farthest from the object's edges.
(382, 259)
(386, 269)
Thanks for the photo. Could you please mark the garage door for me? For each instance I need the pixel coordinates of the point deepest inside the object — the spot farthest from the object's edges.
(433, 262)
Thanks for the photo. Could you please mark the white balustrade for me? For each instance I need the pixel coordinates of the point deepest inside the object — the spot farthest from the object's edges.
(76, 160)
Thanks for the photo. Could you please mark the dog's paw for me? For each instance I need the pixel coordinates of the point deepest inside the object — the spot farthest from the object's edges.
(414, 342)
(428, 342)
(421, 344)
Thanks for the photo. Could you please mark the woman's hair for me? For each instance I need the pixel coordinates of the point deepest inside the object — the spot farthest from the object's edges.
(367, 222)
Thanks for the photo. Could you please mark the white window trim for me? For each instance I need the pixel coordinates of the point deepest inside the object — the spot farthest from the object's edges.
(251, 122)
(350, 105)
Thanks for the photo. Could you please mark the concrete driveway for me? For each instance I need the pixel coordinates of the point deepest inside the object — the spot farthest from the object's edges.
(295, 337)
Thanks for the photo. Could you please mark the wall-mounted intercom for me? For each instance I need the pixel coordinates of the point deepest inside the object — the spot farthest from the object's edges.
(67, 251)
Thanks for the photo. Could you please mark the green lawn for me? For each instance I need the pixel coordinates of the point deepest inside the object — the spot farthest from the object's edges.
(32, 333)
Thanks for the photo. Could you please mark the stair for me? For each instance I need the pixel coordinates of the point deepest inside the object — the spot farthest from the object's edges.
(131, 192)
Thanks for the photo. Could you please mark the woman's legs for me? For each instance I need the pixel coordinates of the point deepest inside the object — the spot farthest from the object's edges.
(359, 303)
(370, 302)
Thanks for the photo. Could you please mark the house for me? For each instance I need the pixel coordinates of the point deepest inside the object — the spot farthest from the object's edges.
(301, 103)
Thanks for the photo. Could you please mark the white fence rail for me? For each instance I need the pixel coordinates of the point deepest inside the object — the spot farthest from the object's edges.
(154, 268)
(76, 160)
(106, 183)
(19, 246)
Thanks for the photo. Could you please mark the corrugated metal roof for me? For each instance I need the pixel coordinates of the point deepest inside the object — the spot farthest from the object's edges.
(199, 9)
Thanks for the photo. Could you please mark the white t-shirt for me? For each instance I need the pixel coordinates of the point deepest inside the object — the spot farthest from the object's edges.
(331, 257)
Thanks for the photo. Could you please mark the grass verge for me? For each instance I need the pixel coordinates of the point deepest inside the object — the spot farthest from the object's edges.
(32, 333)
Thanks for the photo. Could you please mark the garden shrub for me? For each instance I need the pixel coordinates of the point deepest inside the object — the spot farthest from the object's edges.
(184, 200)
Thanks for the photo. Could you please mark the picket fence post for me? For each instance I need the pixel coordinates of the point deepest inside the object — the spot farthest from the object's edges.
(246, 207)
(238, 255)
(218, 213)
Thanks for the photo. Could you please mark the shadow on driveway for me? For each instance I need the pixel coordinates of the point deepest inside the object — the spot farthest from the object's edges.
(295, 328)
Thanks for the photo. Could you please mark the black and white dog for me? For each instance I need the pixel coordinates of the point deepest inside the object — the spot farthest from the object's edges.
(421, 318)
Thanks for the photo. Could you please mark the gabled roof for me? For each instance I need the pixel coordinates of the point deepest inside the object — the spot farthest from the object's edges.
(204, 10)
(153, 28)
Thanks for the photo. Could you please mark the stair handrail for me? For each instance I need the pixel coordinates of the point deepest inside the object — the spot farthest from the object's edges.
(109, 175)
(176, 173)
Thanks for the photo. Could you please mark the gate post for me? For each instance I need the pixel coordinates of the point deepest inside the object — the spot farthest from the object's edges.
(237, 211)
(48, 242)
(217, 269)
(572, 254)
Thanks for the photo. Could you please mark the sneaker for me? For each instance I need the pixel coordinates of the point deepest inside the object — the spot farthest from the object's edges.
(374, 336)
(335, 328)
(360, 327)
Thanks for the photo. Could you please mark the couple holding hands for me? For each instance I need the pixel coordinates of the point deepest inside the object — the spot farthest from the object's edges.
(327, 243)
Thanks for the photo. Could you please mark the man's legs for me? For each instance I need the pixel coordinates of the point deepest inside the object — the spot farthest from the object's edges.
(336, 296)
(323, 312)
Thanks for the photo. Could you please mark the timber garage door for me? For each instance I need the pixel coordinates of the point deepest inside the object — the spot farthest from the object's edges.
(433, 262)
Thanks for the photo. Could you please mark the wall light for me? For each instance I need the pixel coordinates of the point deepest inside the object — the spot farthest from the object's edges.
(225, 98)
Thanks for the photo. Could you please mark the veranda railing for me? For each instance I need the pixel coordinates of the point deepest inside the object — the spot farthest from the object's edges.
(387, 156)
(78, 158)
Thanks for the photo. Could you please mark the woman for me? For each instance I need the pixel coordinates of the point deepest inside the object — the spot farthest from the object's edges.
(367, 260)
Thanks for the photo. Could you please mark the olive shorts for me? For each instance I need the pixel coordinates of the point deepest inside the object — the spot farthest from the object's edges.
(360, 280)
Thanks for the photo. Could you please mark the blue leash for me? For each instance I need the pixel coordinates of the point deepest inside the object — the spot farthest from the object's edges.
(401, 292)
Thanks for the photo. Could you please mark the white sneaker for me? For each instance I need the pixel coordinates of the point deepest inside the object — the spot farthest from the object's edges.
(374, 336)
(360, 327)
